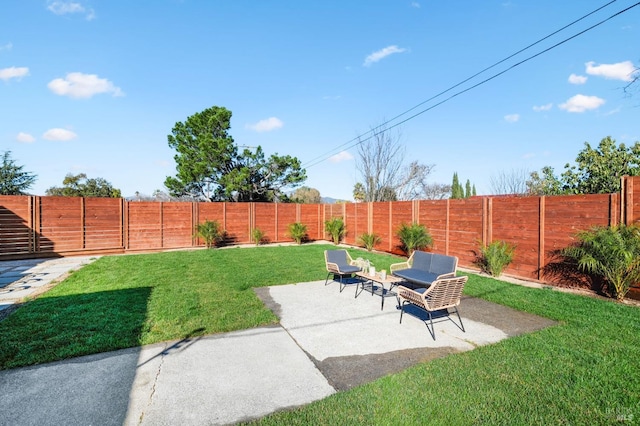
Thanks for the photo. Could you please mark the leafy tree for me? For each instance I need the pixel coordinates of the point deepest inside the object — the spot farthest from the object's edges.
(210, 167)
(80, 186)
(359, 192)
(13, 180)
(306, 195)
(544, 183)
(455, 187)
(597, 171)
(458, 191)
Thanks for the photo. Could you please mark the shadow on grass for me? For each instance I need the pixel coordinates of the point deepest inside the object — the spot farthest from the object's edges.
(54, 328)
(92, 389)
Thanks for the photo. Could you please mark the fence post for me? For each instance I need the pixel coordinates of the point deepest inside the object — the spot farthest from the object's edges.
(627, 196)
(390, 225)
(541, 235)
(31, 234)
(446, 227)
(83, 223)
(37, 223)
(124, 221)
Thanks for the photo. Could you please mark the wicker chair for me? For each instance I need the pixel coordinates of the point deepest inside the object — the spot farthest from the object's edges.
(339, 264)
(441, 295)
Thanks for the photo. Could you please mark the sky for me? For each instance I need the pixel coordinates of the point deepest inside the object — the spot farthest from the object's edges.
(95, 87)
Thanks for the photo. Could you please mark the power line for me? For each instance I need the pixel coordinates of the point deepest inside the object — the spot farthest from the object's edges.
(359, 139)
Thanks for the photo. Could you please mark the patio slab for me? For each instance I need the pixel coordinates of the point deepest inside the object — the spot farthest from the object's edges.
(29, 277)
(327, 341)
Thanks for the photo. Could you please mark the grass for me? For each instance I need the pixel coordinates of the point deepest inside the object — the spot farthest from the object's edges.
(582, 371)
(125, 301)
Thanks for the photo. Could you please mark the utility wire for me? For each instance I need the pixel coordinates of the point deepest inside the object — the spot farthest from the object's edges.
(359, 139)
(323, 156)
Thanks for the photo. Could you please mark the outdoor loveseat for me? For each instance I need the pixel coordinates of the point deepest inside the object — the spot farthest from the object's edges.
(424, 268)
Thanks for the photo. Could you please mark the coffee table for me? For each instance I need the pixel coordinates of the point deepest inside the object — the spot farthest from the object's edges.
(375, 285)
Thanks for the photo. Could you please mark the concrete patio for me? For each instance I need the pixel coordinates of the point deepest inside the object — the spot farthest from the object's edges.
(327, 341)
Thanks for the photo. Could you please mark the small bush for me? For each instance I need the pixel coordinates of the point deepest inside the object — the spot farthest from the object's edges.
(369, 241)
(495, 257)
(257, 235)
(297, 232)
(335, 228)
(210, 231)
(612, 253)
(414, 237)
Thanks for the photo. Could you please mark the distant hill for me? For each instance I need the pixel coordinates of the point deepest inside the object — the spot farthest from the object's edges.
(329, 200)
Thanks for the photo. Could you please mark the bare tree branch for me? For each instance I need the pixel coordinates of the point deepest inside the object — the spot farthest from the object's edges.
(513, 182)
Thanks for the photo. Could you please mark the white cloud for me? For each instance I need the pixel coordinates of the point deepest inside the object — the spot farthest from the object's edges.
(271, 123)
(415, 4)
(70, 7)
(539, 108)
(582, 103)
(25, 138)
(577, 79)
(381, 54)
(340, 157)
(13, 72)
(58, 134)
(78, 85)
(512, 118)
(7, 46)
(620, 71)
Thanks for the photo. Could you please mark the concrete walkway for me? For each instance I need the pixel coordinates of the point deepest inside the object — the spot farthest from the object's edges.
(29, 277)
(327, 341)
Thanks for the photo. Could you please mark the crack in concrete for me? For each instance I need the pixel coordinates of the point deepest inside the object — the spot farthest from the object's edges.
(155, 382)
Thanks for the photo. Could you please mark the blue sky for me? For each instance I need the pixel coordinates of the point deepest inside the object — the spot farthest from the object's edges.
(96, 86)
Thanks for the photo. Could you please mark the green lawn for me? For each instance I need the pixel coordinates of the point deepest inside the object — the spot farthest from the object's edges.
(124, 301)
(582, 371)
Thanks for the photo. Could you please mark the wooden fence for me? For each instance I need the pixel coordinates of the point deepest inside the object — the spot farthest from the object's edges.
(33, 226)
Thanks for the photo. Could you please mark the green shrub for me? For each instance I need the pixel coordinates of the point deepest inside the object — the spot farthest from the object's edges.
(210, 231)
(495, 257)
(335, 228)
(369, 241)
(297, 231)
(257, 235)
(414, 237)
(612, 253)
